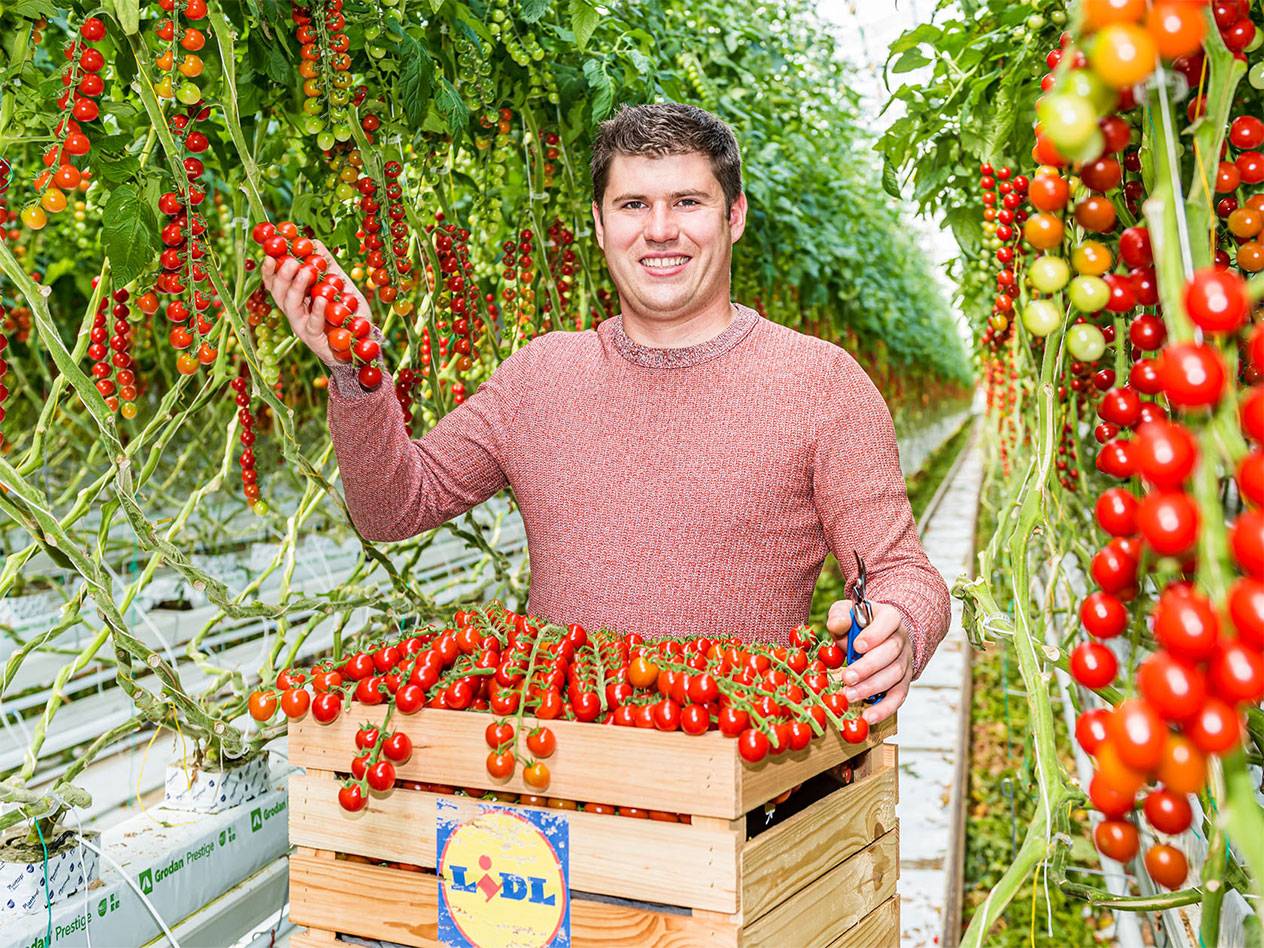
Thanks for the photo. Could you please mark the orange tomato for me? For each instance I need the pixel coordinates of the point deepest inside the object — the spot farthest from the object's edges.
(1177, 28)
(1123, 54)
(1043, 231)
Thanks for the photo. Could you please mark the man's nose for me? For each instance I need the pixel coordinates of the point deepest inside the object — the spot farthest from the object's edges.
(661, 226)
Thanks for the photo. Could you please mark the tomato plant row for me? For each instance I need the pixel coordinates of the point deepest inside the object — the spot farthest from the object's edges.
(1113, 232)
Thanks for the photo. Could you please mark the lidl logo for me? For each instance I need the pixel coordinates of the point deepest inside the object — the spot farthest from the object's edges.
(503, 877)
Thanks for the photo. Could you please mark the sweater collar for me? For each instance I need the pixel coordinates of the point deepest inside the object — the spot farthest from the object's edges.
(679, 358)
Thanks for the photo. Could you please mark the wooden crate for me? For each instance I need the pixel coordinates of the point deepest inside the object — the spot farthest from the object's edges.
(826, 876)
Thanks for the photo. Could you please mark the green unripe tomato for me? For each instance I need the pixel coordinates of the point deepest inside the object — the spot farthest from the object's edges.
(261, 508)
(1042, 317)
(372, 32)
(312, 107)
(375, 52)
(312, 124)
(1088, 293)
(1057, 17)
(1091, 149)
(188, 93)
(344, 192)
(325, 140)
(1256, 40)
(1086, 84)
(1048, 274)
(1256, 75)
(1036, 22)
(1068, 120)
(342, 132)
(340, 97)
(1085, 342)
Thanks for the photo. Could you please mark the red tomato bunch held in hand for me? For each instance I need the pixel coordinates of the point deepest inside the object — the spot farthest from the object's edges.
(772, 699)
(349, 333)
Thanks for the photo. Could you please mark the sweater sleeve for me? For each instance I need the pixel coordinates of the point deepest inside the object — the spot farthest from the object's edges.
(862, 500)
(397, 487)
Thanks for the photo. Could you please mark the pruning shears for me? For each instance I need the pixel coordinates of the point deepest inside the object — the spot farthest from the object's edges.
(861, 616)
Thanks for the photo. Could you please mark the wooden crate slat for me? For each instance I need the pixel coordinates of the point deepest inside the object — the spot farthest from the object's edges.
(700, 775)
(835, 902)
(592, 763)
(399, 906)
(879, 929)
(785, 859)
(673, 863)
(775, 775)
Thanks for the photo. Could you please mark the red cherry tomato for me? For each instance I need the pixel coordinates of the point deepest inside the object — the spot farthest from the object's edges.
(351, 798)
(1168, 812)
(1166, 865)
(541, 742)
(1215, 728)
(326, 707)
(398, 747)
(381, 776)
(1116, 839)
(1138, 735)
(752, 745)
(1174, 688)
(1093, 665)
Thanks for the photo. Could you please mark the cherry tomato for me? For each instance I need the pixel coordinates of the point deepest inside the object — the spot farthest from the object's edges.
(1138, 733)
(1090, 729)
(262, 705)
(294, 702)
(500, 765)
(326, 707)
(1236, 673)
(1109, 800)
(398, 747)
(541, 742)
(1176, 689)
(381, 776)
(1168, 812)
(855, 730)
(409, 698)
(1215, 728)
(695, 719)
(1093, 665)
(752, 745)
(351, 798)
(1116, 839)
(536, 775)
(1184, 768)
(1166, 865)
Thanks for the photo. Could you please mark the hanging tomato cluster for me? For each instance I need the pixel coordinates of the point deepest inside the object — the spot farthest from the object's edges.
(109, 351)
(1091, 277)
(384, 234)
(240, 387)
(349, 335)
(184, 241)
(83, 84)
(771, 699)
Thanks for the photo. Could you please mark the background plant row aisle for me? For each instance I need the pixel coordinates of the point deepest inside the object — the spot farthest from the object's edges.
(172, 525)
(1100, 165)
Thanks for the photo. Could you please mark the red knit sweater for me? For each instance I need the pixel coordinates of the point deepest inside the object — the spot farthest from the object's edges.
(688, 491)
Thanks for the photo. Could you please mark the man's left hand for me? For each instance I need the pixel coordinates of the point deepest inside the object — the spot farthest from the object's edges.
(885, 662)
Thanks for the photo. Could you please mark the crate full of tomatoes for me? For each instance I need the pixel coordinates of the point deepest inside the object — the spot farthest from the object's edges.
(506, 781)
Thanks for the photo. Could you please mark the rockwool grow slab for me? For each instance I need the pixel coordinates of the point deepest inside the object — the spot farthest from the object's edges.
(180, 860)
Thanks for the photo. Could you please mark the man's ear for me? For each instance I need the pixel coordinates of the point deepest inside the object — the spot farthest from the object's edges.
(737, 217)
(598, 229)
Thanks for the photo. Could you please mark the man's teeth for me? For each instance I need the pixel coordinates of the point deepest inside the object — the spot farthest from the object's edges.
(663, 262)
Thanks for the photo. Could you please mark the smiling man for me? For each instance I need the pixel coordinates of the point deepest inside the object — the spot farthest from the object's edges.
(685, 468)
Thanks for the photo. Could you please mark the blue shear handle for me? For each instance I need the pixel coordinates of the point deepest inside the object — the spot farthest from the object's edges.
(852, 654)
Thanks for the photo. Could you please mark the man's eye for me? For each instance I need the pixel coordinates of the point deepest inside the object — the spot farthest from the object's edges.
(630, 203)
(688, 200)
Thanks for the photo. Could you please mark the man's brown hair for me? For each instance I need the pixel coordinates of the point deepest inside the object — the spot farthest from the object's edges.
(667, 128)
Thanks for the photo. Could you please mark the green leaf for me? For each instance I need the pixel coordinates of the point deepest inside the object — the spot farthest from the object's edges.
(129, 233)
(530, 11)
(584, 20)
(128, 14)
(416, 79)
(910, 60)
(32, 9)
(114, 169)
(270, 59)
(890, 182)
(602, 88)
(450, 103)
(306, 208)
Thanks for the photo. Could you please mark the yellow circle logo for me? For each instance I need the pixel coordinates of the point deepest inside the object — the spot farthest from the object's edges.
(502, 878)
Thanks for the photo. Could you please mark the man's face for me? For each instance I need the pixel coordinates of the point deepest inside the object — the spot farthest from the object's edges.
(667, 239)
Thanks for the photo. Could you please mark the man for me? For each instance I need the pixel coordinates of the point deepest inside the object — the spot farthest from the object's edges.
(684, 468)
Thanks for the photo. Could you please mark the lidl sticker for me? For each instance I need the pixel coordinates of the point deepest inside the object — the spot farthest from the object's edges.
(503, 876)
